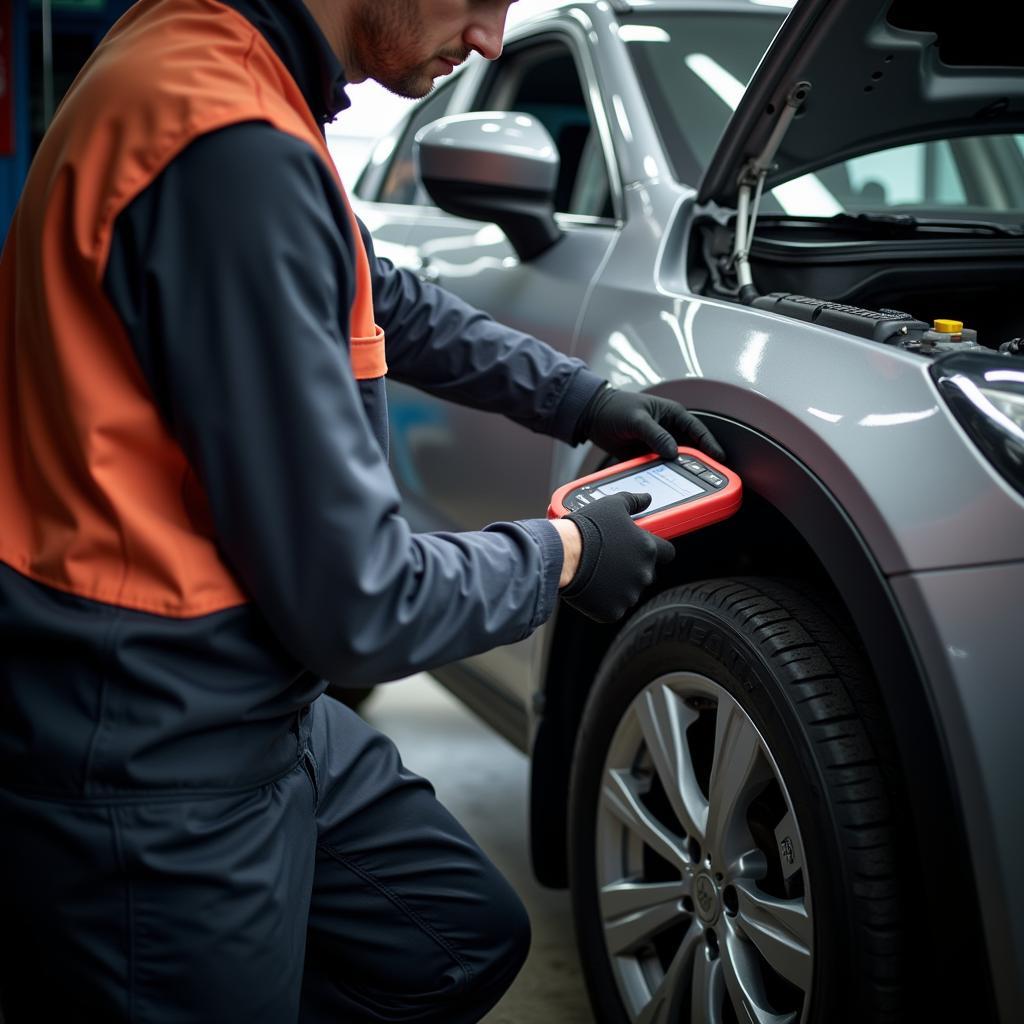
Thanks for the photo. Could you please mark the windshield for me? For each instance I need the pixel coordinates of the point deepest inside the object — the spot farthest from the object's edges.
(694, 67)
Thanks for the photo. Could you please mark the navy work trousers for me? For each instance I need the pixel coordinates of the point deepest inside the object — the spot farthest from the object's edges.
(341, 892)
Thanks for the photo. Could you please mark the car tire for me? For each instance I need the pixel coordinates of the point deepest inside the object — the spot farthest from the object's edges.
(776, 899)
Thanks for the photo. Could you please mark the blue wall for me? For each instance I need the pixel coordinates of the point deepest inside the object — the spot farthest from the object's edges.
(86, 25)
(14, 168)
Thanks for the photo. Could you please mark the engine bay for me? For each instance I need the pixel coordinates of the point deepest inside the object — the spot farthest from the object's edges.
(924, 286)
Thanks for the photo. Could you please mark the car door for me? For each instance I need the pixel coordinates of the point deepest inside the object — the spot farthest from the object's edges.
(459, 469)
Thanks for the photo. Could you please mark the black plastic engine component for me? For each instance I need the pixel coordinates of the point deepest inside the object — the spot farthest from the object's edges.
(889, 326)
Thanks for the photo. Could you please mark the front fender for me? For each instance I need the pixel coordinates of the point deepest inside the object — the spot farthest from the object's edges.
(774, 479)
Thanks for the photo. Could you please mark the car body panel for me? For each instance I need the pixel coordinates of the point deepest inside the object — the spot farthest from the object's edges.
(963, 619)
(839, 401)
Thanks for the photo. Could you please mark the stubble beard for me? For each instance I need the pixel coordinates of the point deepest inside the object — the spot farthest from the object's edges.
(385, 34)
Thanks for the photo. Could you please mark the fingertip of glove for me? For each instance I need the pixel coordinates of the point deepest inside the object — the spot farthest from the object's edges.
(636, 501)
(665, 446)
(711, 447)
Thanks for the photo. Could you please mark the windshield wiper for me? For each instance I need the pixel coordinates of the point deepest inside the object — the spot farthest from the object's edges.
(907, 224)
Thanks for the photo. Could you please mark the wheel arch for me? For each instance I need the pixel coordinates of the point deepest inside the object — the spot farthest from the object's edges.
(789, 519)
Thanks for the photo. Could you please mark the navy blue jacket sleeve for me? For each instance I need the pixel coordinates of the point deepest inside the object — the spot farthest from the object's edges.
(441, 344)
(232, 275)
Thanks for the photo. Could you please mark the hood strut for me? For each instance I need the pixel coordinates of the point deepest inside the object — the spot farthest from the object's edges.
(751, 182)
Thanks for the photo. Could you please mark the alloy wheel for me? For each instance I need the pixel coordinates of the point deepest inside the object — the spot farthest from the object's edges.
(703, 887)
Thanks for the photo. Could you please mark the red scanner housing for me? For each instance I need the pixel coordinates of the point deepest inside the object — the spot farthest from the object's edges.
(717, 501)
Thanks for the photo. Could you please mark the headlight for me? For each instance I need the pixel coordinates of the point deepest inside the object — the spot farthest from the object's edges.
(986, 394)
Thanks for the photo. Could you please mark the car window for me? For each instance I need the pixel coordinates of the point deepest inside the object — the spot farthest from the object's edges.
(694, 67)
(399, 183)
(542, 79)
(974, 176)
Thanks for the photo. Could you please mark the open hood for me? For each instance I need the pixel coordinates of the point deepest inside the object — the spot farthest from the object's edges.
(867, 75)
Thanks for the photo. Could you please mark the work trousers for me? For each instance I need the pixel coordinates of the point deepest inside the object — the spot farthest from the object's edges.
(343, 891)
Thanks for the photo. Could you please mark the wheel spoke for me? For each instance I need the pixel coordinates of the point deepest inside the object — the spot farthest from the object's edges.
(751, 957)
(634, 912)
(745, 984)
(737, 771)
(708, 989)
(621, 796)
(671, 995)
(664, 719)
(781, 931)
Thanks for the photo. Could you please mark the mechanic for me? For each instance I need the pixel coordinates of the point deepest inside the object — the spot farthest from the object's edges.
(199, 527)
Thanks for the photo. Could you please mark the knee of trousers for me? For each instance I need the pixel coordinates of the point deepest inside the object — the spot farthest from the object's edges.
(480, 961)
(487, 957)
(501, 949)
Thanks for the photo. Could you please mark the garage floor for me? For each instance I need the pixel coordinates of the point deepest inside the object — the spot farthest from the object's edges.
(483, 782)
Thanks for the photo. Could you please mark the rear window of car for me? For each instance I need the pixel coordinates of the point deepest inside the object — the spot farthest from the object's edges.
(694, 67)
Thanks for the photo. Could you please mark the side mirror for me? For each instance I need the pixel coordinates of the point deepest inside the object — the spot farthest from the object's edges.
(493, 166)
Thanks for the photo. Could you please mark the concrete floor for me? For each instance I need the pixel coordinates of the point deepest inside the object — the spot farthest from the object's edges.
(483, 781)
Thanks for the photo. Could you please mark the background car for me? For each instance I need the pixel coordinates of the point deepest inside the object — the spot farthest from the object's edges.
(784, 789)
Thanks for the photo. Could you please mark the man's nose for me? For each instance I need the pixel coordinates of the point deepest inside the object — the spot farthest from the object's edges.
(487, 31)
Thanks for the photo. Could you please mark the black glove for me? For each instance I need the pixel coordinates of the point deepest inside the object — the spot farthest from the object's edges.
(617, 559)
(628, 424)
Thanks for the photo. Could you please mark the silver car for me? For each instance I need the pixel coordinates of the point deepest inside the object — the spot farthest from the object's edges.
(785, 788)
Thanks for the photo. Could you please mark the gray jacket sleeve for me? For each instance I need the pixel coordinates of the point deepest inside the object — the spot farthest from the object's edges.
(232, 274)
(440, 344)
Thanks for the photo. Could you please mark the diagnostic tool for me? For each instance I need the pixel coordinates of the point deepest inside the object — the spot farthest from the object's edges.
(687, 492)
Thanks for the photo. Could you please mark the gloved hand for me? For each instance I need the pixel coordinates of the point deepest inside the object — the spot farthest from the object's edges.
(617, 560)
(628, 424)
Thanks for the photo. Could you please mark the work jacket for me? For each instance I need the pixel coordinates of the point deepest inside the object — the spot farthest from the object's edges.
(199, 524)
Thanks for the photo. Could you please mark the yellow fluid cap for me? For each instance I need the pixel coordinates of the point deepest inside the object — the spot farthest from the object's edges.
(949, 326)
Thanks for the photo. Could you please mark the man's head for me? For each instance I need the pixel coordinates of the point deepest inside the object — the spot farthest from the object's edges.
(406, 44)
